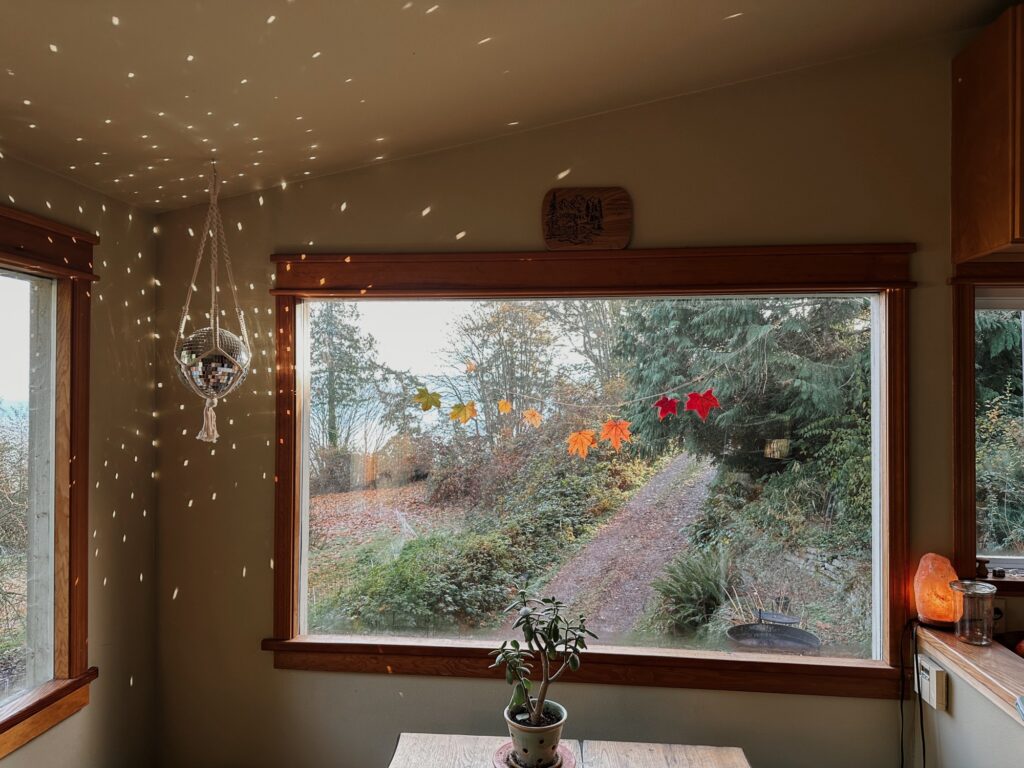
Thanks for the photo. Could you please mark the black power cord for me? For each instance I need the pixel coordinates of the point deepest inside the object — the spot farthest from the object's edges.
(912, 626)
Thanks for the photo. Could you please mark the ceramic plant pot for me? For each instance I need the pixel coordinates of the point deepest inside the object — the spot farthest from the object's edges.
(537, 747)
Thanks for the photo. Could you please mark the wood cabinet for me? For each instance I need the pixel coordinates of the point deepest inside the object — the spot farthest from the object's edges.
(987, 215)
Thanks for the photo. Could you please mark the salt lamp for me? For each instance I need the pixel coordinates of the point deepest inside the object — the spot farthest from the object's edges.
(935, 603)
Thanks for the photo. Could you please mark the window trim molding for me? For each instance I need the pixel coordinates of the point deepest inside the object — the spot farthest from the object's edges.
(883, 269)
(43, 248)
(967, 278)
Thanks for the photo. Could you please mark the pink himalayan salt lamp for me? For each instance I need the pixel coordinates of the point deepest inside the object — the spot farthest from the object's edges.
(935, 603)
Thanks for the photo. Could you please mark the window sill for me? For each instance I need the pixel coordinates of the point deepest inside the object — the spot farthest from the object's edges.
(996, 672)
(807, 675)
(38, 710)
(1008, 586)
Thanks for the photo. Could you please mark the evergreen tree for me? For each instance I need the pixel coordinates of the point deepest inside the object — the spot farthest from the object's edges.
(782, 367)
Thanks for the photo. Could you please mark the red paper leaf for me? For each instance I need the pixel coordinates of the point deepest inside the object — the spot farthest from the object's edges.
(702, 403)
(666, 406)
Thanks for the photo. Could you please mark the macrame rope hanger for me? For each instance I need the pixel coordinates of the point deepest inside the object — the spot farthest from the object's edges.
(212, 361)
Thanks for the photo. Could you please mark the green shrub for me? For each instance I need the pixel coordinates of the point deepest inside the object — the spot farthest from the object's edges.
(1000, 475)
(693, 586)
(435, 581)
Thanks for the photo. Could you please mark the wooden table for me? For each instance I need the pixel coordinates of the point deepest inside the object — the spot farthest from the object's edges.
(428, 750)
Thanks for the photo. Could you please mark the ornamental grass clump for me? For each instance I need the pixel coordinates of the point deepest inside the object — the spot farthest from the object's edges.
(551, 644)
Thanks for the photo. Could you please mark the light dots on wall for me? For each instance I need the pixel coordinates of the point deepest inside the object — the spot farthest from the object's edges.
(562, 174)
(190, 58)
(460, 235)
(53, 48)
(425, 211)
(116, 21)
(485, 40)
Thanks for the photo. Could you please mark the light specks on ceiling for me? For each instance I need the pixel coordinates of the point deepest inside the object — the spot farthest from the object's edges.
(134, 97)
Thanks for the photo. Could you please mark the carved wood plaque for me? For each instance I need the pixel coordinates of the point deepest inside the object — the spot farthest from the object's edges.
(587, 218)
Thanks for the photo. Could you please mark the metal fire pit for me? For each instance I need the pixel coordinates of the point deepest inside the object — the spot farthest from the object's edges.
(774, 632)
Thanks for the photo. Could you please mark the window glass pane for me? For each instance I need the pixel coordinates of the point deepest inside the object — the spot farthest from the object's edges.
(26, 482)
(999, 421)
(677, 468)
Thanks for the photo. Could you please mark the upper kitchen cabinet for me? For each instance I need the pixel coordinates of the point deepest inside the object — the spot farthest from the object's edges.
(987, 212)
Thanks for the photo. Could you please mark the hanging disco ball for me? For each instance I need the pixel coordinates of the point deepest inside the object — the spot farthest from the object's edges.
(212, 369)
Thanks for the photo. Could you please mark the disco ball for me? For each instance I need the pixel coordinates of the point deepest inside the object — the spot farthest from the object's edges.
(212, 369)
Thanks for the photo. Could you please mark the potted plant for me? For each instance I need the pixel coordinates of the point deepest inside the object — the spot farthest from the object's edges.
(551, 645)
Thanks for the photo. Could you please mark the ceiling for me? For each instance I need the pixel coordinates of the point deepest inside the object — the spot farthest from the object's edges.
(132, 97)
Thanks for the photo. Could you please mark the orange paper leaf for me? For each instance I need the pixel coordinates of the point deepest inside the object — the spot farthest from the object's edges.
(504, 406)
(581, 442)
(616, 432)
(470, 366)
(532, 417)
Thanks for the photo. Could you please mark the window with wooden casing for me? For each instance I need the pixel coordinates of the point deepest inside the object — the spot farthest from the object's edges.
(46, 277)
(451, 424)
(988, 421)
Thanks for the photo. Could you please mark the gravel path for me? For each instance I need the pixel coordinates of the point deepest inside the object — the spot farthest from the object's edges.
(610, 578)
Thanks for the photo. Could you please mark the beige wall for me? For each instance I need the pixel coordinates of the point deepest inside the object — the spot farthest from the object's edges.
(118, 726)
(849, 152)
(972, 732)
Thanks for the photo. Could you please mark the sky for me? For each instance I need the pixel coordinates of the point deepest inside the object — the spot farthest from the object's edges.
(411, 335)
(14, 321)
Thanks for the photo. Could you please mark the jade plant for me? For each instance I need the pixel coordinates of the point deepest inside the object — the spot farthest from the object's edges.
(550, 641)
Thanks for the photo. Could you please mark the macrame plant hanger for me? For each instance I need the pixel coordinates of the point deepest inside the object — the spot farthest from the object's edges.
(212, 361)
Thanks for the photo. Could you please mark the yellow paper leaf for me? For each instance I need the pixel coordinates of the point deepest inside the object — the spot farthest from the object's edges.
(463, 412)
(504, 406)
(426, 399)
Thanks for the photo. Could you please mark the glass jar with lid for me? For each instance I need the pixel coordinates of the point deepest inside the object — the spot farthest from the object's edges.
(974, 611)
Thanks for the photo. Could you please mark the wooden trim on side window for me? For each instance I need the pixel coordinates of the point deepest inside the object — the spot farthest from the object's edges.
(968, 277)
(883, 270)
(47, 249)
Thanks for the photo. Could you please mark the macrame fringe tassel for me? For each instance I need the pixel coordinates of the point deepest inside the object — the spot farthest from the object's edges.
(208, 434)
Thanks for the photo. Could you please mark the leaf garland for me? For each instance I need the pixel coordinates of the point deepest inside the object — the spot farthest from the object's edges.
(614, 431)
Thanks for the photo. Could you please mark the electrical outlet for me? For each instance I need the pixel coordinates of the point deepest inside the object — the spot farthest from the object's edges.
(999, 614)
(931, 683)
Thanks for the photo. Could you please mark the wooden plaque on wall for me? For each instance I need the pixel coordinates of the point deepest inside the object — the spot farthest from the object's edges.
(587, 218)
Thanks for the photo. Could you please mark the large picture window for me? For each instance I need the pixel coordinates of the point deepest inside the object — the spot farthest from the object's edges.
(682, 470)
(999, 442)
(45, 294)
(27, 400)
(704, 450)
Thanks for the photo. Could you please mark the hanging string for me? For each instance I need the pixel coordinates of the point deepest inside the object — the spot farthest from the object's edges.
(213, 236)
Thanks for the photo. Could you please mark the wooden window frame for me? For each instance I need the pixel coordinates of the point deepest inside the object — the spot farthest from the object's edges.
(967, 278)
(42, 248)
(881, 269)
